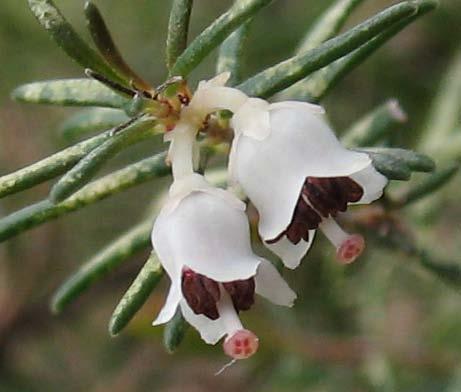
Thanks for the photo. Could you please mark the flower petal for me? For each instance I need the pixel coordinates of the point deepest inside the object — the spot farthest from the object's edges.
(207, 233)
(272, 171)
(313, 108)
(291, 254)
(372, 183)
(252, 119)
(171, 303)
(211, 331)
(272, 286)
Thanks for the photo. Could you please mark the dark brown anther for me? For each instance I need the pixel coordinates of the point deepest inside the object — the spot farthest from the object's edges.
(320, 197)
(201, 293)
(242, 293)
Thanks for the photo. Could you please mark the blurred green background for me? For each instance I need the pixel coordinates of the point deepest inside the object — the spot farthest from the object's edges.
(381, 325)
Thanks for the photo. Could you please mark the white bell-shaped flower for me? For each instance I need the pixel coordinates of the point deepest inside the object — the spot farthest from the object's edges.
(202, 239)
(288, 161)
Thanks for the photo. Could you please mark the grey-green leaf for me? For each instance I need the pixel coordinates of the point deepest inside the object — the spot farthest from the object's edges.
(106, 46)
(230, 56)
(44, 211)
(178, 28)
(316, 86)
(213, 35)
(328, 24)
(69, 92)
(51, 18)
(444, 115)
(375, 125)
(427, 185)
(398, 163)
(89, 121)
(49, 167)
(84, 171)
(288, 72)
(137, 294)
(101, 264)
(174, 331)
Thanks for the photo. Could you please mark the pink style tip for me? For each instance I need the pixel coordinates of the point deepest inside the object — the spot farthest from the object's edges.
(351, 248)
(241, 345)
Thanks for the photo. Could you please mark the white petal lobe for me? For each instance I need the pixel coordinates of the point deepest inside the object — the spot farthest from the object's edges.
(291, 254)
(272, 286)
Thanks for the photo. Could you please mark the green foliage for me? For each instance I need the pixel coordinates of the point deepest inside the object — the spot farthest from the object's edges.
(83, 172)
(178, 28)
(284, 74)
(106, 46)
(49, 167)
(213, 35)
(101, 264)
(231, 54)
(137, 294)
(375, 125)
(69, 92)
(315, 87)
(89, 121)
(51, 18)
(174, 332)
(44, 211)
(428, 185)
(397, 163)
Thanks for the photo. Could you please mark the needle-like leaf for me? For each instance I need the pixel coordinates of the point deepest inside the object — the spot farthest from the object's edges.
(213, 35)
(101, 264)
(84, 171)
(375, 126)
(69, 92)
(49, 167)
(137, 294)
(284, 74)
(178, 28)
(106, 46)
(44, 211)
(51, 18)
(89, 121)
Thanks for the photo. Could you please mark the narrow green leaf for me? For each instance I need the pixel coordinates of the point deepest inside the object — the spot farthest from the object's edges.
(137, 294)
(231, 54)
(106, 46)
(443, 117)
(178, 28)
(328, 24)
(174, 332)
(49, 167)
(397, 163)
(427, 186)
(392, 168)
(375, 125)
(44, 211)
(448, 273)
(50, 17)
(89, 121)
(213, 35)
(316, 86)
(101, 264)
(415, 161)
(69, 92)
(284, 74)
(84, 171)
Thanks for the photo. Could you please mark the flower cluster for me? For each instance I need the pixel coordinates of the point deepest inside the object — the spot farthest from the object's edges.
(288, 162)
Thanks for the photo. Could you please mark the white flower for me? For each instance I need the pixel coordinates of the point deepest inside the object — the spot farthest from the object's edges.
(202, 239)
(299, 177)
